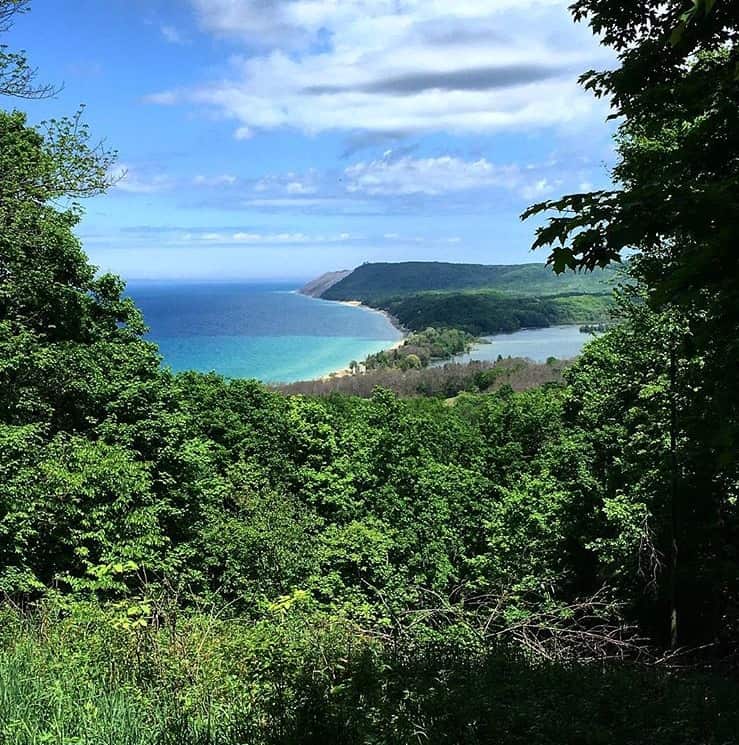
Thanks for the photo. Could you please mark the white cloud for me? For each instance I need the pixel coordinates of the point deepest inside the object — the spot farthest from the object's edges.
(392, 176)
(173, 35)
(163, 98)
(246, 238)
(144, 180)
(297, 187)
(294, 22)
(292, 184)
(244, 133)
(132, 180)
(389, 66)
(540, 188)
(431, 176)
(225, 179)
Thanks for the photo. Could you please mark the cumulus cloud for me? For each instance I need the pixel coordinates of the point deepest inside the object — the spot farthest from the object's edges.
(293, 184)
(137, 179)
(244, 133)
(370, 185)
(387, 66)
(297, 187)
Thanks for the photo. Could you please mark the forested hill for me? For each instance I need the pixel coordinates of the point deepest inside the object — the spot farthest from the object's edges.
(476, 298)
(373, 282)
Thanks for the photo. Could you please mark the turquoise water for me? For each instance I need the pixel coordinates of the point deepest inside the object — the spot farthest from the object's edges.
(268, 332)
(562, 342)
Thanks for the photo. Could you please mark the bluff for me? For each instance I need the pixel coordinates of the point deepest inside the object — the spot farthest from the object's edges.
(317, 287)
(373, 282)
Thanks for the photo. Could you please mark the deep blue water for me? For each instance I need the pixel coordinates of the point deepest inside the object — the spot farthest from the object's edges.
(264, 331)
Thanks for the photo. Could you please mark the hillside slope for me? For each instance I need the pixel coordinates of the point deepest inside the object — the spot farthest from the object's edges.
(373, 283)
(477, 298)
(317, 287)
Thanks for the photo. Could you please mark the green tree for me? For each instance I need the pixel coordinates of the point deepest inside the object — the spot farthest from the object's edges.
(678, 180)
(674, 211)
(71, 343)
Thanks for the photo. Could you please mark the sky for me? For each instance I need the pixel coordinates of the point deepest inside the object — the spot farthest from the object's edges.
(278, 139)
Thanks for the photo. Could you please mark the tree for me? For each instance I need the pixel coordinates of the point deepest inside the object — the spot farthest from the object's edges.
(17, 77)
(678, 201)
(412, 361)
(674, 212)
(61, 326)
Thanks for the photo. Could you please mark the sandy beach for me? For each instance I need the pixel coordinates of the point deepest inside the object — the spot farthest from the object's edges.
(343, 372)
(358, 304)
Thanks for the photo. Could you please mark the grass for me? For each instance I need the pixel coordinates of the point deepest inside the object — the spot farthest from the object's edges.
(299, 679)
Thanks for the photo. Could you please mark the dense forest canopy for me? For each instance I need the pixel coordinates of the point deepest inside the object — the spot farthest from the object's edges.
(194, 560)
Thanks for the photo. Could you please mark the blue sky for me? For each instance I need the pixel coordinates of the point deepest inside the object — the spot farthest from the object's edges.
(284, 138)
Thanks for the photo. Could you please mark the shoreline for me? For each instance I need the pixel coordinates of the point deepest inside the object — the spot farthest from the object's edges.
(346, 371)
(394, 322)
(488, 340)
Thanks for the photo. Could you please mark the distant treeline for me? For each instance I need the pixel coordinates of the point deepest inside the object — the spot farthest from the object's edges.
(487, 312)
(444, 381)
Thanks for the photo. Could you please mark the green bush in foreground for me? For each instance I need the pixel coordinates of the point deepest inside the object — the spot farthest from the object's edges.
(297, 676)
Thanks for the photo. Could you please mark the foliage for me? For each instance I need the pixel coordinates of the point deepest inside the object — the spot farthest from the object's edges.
(194, 560)
(298, 677)
(679, 108)
(421, 348)
(445, 381)
(225, 492)
(675, 210)
(17, 77)
(476, 298)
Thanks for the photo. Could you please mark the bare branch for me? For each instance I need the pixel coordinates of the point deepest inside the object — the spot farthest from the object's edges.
(17, 77)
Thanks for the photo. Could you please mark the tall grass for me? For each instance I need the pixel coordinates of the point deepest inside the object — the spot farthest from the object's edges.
(302, 679)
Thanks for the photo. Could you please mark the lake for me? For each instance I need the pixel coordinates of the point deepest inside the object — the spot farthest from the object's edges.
(250, 330)
(562, 342)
